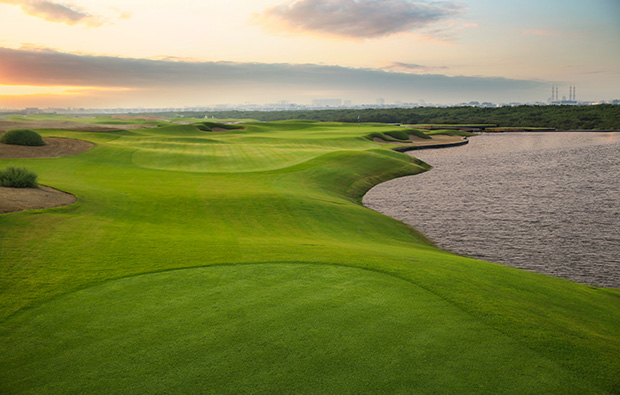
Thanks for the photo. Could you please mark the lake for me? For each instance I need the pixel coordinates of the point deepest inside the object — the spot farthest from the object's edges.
(542, 201)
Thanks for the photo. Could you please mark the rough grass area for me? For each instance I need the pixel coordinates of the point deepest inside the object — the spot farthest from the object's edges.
(17, 177)
(22, 137)
(243, 262)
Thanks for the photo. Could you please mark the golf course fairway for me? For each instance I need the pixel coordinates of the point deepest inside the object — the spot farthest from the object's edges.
(201, 259)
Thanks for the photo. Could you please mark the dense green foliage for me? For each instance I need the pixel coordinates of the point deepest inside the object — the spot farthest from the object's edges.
(605, 116)
(17, 177)
(243, 262)
(22, 137)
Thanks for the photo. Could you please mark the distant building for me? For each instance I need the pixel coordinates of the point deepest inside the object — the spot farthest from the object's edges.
(555, 97)
(327, 102)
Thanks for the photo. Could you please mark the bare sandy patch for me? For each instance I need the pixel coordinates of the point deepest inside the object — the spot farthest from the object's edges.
(54, 147)
(417, 139)
(19, 199)
(380, 140)
(67, 125)
(438, 139)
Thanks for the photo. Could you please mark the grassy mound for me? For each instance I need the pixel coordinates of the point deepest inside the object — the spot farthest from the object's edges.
(419, 133)
(393, 136)
(210, 126)
(258, 147)
(18, 177)
(288, 283)
(22, 137)
(399, 136)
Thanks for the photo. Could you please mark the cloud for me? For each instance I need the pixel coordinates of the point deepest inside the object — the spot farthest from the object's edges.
(122, 14)
(358, 19)
(412, 67)
(208, 82)
(56, 12)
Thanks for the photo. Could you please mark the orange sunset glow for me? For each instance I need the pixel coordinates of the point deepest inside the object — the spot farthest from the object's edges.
(261, 51)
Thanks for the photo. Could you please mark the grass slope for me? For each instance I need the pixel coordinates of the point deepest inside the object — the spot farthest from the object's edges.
(242, 261)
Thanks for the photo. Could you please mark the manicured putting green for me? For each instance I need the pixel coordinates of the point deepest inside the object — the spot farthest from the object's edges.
(264, 328)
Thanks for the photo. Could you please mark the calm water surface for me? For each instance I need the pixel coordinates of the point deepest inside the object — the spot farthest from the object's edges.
(547, 202)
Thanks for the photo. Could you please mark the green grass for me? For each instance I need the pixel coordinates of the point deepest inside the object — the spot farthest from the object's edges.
(242, 262)
(92, 119)
(275, 328)
(419, 133)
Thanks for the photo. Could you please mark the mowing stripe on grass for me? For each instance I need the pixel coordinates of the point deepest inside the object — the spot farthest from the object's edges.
(265, 329)
(131, 220)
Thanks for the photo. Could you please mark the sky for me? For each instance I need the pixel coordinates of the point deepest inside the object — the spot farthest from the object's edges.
(176, 53)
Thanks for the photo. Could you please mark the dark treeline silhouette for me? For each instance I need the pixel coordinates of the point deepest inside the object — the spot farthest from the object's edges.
(604, 116)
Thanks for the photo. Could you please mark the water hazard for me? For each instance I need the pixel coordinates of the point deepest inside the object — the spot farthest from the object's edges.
(547, 202)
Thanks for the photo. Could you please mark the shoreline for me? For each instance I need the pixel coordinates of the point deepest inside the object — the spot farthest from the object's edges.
(551, 131)
(464, 141)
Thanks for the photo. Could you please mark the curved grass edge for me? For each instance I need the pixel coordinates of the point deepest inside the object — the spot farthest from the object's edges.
(354, 189)
(411, 289)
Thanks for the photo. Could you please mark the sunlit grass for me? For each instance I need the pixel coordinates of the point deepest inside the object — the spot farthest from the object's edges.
(242, 261)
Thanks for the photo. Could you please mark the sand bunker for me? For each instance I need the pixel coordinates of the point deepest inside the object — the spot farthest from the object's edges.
(438, 139)
(54, 147)
(18, 199)
(66, 125)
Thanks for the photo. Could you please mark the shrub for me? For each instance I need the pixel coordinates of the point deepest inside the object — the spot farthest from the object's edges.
(18, 177)
(22, 137)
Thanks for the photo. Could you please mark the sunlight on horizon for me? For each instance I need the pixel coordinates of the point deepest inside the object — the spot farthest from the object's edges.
(574, 43)
(27, 90)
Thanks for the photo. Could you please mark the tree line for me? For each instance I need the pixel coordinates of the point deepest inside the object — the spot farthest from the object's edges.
(604, 116)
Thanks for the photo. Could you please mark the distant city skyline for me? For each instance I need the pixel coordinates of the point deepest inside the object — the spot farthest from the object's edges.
(179, 53)
(285, 105)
